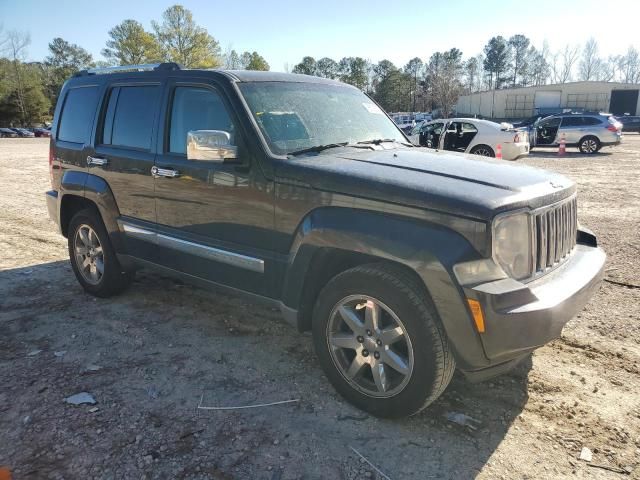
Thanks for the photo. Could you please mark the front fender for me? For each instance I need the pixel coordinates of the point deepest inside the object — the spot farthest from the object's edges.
(428, 249)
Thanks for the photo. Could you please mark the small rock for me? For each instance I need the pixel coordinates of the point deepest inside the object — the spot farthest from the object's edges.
(60, 353)
(33, 353)
(26, 419)
(276, 442)
(586, 455)
(138, 438)
(80, 398)
(93, 410)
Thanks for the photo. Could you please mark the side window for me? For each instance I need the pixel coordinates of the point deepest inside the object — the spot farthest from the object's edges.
(469, 128)
(129, 116)
(568, 122)
(76, 118)
(591, 121)
(196, 108)
(552, 122)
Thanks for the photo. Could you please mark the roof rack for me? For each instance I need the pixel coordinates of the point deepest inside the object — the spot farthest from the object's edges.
(168, 66)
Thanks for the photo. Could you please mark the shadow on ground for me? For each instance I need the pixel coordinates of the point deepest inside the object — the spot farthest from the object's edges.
(163, 347)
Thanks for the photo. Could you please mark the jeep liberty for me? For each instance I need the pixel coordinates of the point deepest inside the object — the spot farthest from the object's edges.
(404, 262)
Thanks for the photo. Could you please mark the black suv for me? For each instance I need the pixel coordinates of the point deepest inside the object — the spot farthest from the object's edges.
(301, 191)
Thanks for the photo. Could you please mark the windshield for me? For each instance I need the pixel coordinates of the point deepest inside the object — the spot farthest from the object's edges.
(294, 116)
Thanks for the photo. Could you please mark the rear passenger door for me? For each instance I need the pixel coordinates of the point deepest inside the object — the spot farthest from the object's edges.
(571, 129)
(125, 153)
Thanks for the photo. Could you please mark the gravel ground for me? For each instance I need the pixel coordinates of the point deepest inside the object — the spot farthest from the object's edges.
(151, 355)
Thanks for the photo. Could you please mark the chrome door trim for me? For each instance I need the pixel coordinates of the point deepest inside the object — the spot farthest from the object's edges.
(137, 232)
(204, 251)
(211, 253)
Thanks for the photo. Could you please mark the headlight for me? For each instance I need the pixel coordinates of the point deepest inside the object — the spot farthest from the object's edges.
(512, 244)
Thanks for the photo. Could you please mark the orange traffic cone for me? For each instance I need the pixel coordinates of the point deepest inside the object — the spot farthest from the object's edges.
(563, 146)
(499, 151)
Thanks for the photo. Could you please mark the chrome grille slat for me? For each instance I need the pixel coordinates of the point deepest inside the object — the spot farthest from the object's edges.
(556, 233)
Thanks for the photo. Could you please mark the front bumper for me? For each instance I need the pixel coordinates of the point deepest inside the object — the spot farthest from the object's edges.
(522, 317)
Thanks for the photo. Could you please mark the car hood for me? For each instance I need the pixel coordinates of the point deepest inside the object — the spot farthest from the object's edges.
(463, 185)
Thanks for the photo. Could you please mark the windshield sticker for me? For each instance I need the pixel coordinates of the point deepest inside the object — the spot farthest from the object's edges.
(372, 108)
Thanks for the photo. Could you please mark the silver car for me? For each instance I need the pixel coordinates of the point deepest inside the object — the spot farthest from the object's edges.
(587, 131)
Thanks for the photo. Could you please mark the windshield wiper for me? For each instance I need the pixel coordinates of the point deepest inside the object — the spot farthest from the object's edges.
(378, 141)
(318, 148)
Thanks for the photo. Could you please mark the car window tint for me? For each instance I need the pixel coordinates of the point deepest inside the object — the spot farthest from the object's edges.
(77, 114)
(196, 109)
(591, 121)
(133, 117)
(572, 122)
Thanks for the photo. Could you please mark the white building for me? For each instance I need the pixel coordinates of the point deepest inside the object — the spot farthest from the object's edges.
(515, 103)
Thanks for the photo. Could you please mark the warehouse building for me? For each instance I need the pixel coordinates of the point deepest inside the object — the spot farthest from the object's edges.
(517, 103)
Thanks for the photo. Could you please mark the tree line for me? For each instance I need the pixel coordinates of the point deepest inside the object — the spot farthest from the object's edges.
(29, 90)
(437, 82)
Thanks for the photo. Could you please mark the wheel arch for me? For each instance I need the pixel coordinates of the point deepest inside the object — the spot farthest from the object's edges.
(81, 190)
(329, 241)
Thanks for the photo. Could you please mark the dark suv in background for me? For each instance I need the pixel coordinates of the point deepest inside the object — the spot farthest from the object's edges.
(301, 192)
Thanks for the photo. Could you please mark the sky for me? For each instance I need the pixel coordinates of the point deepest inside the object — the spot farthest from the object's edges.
(283, 31)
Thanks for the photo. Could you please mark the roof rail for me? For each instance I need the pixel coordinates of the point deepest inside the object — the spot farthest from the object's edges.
(168, 66)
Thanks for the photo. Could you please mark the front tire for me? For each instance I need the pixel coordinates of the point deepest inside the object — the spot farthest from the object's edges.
(380, 342)
(589, 145)
(93, 259)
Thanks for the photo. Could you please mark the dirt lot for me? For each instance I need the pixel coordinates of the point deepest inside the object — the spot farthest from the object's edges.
(163, 347)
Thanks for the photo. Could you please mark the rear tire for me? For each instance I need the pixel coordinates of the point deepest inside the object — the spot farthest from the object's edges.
(380, 342)
(483, 151)
(93, 259)
(589, 145)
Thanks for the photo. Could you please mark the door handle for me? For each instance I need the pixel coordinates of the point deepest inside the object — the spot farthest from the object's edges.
(96, 161)
(164, 172)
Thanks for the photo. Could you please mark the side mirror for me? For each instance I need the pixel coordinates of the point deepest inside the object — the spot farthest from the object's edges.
(210, 145)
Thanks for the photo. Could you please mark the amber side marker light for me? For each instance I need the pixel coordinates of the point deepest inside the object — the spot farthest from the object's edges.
(476, 311)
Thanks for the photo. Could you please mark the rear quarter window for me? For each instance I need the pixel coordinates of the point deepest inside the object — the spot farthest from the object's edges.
(76, 118)
(591, 121)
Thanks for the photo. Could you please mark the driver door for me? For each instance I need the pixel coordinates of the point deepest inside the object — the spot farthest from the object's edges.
(546, 131)
(215, 218)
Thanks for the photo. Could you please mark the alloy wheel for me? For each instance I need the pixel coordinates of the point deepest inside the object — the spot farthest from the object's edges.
(370, 346)
(89, 256)
(589, 145)
(483, 152)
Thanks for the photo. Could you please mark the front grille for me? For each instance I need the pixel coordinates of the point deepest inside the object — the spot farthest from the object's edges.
(556, 230)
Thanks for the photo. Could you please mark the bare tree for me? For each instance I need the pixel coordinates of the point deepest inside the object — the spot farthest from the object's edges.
(16, 46)
(563, 63)
(590, 64)
(629, 66)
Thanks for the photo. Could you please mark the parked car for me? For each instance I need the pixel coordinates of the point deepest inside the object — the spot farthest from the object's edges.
(589, 132)
(42, 132)
(404, 262)
(471, 135)
(629, 123)
(7, 133)
(23, 132)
